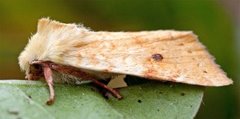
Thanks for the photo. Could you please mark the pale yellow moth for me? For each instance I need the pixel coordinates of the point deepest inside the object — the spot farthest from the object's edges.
(71, 53)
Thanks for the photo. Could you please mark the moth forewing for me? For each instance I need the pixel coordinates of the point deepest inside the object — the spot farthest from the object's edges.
(181, 57)
(164, 55)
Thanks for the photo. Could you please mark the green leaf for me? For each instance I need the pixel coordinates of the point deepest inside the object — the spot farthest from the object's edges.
(26, 100)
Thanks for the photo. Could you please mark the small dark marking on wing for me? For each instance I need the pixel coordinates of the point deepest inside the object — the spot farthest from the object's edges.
(157, 57)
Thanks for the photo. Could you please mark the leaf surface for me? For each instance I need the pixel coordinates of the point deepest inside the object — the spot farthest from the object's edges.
(26, 100)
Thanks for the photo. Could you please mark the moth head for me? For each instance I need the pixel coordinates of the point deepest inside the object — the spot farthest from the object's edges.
(35, 48)
(41, 46)
(31, 52)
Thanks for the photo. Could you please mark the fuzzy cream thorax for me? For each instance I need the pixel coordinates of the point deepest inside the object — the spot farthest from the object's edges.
(50, 42)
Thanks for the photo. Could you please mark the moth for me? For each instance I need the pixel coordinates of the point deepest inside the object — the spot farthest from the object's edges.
(70, 53)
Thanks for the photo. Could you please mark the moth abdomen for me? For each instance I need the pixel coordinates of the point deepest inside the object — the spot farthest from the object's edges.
(68, 79)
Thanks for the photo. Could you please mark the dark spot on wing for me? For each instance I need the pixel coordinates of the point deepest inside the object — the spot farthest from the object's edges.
(157, 57)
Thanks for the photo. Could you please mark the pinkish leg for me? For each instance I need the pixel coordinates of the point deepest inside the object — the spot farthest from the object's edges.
(47, 72)
(48, 77)
(49, 66)
(78, 73)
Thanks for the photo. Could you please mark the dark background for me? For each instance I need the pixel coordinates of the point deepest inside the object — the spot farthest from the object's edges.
(217, 24)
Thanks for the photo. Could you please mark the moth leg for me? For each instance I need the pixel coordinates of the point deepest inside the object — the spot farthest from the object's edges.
(47, 72)
(86, 76)
(111, 90)
(49, 79)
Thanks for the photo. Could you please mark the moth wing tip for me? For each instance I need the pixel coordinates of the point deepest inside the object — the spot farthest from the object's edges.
(227, 82)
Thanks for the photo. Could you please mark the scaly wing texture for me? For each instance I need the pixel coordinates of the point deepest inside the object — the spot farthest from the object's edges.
(184, 60)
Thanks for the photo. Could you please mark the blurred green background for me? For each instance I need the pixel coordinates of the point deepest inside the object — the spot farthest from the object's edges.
(215, 22)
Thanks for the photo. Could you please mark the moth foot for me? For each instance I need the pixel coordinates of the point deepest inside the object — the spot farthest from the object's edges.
(118, 95)
(107, 94)
(50, 101)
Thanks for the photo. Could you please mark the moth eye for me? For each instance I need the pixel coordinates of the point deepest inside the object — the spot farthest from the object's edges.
(157, 57)
(36, 66)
